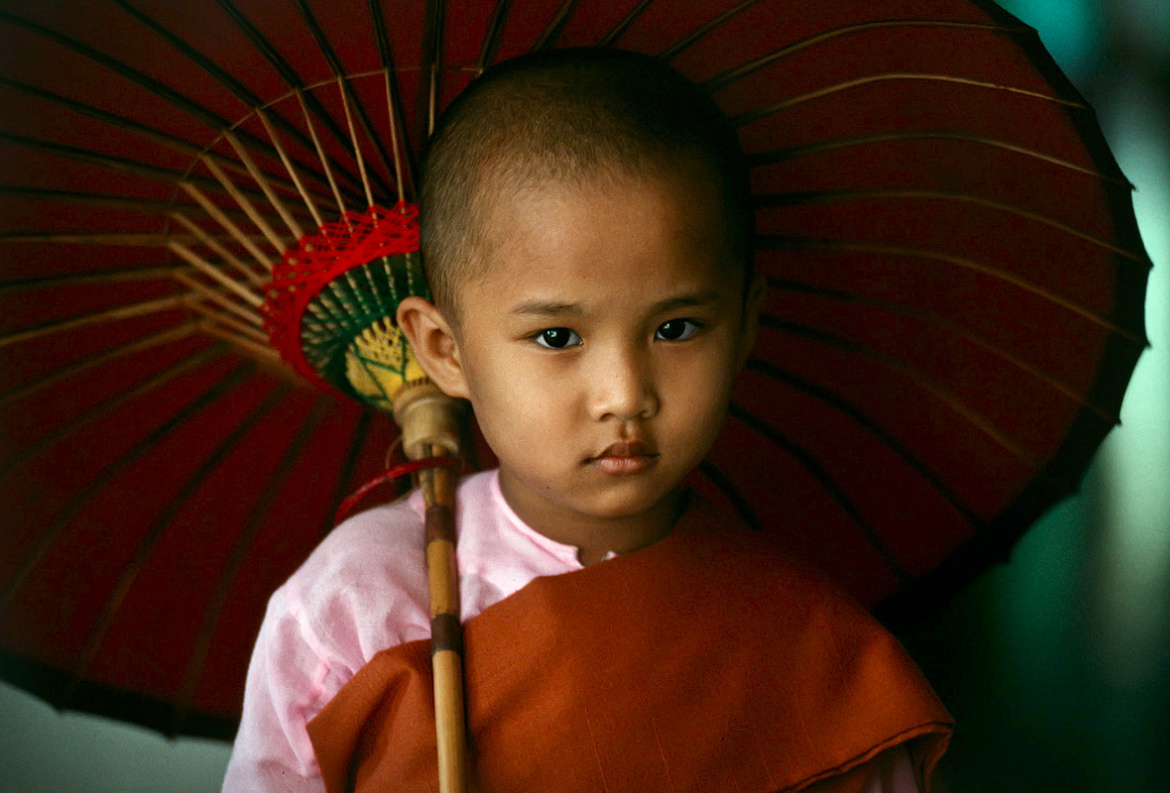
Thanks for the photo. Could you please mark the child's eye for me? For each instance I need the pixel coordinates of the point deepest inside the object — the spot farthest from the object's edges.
(676, 330)
(558, 338)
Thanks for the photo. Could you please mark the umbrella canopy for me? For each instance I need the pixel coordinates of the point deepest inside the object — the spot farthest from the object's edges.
(954, 307)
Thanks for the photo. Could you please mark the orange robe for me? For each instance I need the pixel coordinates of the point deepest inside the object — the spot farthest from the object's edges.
(710, 661)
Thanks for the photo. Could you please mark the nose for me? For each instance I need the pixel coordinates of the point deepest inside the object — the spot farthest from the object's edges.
(624, 385)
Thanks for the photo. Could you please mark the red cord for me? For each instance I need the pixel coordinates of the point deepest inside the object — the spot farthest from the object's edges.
(391, 473)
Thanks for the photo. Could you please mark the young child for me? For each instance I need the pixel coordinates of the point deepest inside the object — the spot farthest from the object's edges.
(587, 232)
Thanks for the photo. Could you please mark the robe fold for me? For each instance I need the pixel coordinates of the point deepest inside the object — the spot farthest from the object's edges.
(710, 661)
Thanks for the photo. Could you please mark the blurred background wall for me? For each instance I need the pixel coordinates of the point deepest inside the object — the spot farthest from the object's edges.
(1056, 666)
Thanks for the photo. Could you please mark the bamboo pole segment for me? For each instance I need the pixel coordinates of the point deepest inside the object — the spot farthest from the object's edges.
(210, 270)
(321, 152)
(205, 291)
(262, 180)
(231, 228)
(430, 422)
(249, 208)
(292, 171)
(219, 250)
(357, 149)
(394, 137)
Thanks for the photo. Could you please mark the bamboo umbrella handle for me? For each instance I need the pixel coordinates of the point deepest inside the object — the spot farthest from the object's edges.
(429, 421)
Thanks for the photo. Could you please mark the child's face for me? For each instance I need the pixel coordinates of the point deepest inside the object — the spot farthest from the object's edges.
(599, 348)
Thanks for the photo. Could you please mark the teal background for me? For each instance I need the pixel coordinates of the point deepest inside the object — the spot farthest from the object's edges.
(1056, 665)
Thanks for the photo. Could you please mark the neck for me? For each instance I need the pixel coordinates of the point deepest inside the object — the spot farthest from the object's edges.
(594, 537)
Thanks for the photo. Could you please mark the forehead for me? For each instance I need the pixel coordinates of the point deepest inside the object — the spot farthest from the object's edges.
(616, 237)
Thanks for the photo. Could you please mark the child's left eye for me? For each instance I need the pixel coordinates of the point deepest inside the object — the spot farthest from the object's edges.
(676, 330)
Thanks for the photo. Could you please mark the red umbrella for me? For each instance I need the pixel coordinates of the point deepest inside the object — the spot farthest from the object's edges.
(955, 303)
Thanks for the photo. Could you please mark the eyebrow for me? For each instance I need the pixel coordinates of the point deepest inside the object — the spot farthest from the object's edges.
(556, 308)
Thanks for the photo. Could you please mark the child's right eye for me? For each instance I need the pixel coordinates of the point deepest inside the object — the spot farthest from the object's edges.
(558, 338)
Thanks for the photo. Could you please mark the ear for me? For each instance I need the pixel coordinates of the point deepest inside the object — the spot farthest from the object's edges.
(434, 344)
(751, 317)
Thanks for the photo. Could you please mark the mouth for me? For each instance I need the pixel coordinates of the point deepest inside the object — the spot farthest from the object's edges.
(625, 457)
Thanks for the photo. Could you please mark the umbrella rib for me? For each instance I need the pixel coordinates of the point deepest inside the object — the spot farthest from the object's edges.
(229, 328)
(287, 73)
(142, 205)
(762, 159)
(225, 79)
(210, 270)
(263, 180)
(154, 534)
(938, 320)
(552, 31)
(91, 415)
(348, 96)
(64, 372)
(821, 474)
(619, 30)
(744, 69)
(744, 119)
(781, 200)
(724, 484)
(168, 141)
(243, 203)
(119, 164)
(226, 223)
(393, 99)
(274, 485)
(674, 50)
(125, 311)
(209, 241)
(306, 196)
(90, 278)
(432, 58)
(927, 384)
(53, 532)
(321, 156)
(343, 484)
(262, 352)
(343, 90)
(204, 291)
(847, 408)
(495, 32)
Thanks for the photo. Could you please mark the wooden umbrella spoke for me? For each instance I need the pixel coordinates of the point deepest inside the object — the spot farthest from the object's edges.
(686, 41)
(347, 95)
(65, 372)
(209, 241)
(273, 486)
(90, 278)
(341, 208)
(203, 291)
(210, 270)
(493, 35)
(846, 408)
(777, 200)
(762, 159)
(723, 483)
(293, 173)
(249, 208)
(48, 537)
(432, 58)
(355, 143)
(820, 472)
(619, 30)
(767, 110)
(62, 430)
(953, 327)
(226, 223)
(344, 485)
(262, 180)
(924, 381)
(287, 73)
(401, 149)
(225, 329)
(552, 30)
(124, 311)
(133, 567)
(744, 69)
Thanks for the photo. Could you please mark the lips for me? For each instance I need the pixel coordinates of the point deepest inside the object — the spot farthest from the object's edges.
(625, 457)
